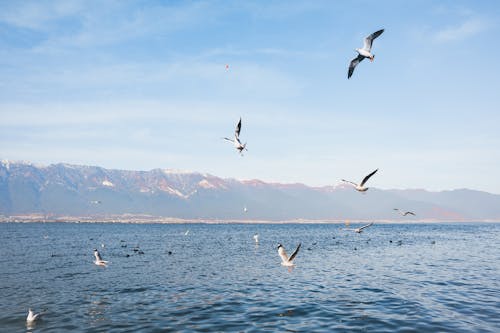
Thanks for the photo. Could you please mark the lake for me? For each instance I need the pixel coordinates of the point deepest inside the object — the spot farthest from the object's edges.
(390, 278)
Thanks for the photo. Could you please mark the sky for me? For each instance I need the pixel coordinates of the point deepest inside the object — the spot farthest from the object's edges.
(139, 85)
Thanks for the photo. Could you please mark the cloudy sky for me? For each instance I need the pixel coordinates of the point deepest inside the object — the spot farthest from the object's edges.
(143, 84)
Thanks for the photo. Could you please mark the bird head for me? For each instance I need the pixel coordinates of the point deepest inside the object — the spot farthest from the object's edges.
(279, 245)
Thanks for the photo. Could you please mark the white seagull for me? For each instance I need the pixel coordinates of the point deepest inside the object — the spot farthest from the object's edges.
(236, 141)
(285, 260)
(98, 259)
(364, 52)
(404, 213)
(360, 229)
(256, 238)
(32, 317)
(361, 187)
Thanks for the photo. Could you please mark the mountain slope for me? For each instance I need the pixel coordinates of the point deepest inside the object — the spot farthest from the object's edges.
(63, 189)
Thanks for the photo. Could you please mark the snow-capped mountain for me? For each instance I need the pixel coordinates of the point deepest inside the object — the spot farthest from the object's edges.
(73, 190)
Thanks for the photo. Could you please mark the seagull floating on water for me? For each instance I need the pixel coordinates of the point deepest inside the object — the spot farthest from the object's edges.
(32, 317)
(256, 238)
(236, 141)
(361, 187)
(405, 213)
(98, 259)
(285, 260)
(365, 52)
(360, 229)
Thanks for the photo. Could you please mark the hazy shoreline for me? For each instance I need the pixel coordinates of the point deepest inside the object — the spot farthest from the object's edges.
(147, 219)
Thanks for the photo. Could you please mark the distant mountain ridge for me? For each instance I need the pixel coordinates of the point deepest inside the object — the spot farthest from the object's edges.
(73, 190)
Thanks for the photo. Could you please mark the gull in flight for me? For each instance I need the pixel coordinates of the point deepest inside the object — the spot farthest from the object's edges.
(256, 238)
(98, 259)
(404, 213)
(365, 52)
(285, 260)
(361, 187)
(236, 141)
(360, 229)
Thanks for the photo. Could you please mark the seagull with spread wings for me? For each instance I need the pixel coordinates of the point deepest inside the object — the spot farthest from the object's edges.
(361, 187)
(98, 259)
(286, 260)
(365, 52)
(360, 229)
(404, 213)
(236, 141)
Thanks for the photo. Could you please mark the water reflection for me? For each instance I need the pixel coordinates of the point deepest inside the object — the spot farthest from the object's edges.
(98, 310)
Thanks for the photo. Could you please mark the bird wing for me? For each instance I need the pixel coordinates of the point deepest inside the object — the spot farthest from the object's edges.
(283, 255)
(238, 129)
(369, 40)
(348, 181)
(367, 177)
(228, 139)
(98, 256)
(409, 213)
(365, 226)
(353, 64)
(294, 254)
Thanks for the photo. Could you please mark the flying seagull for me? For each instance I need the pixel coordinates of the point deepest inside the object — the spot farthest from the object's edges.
(405, 213)
(236, 141)
(364, 52)
(98, 259)
(361, 187)
(32, 317)
(285, 260)
(360, 229)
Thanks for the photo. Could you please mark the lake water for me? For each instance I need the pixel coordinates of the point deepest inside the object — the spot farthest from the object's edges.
(430, 278)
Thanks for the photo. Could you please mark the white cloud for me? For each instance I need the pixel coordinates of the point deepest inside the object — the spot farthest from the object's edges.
(36, 14)
(463, 31)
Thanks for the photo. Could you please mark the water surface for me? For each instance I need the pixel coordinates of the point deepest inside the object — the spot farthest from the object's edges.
(394, 278)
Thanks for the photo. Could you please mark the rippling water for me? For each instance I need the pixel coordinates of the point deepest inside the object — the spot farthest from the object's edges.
(440, 277)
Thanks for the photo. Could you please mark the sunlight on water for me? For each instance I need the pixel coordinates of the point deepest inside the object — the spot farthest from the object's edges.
(433, 277)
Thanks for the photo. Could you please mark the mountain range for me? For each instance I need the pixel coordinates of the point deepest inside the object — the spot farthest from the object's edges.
(91, 191)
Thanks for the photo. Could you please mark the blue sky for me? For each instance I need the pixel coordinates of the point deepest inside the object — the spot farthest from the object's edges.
(143, 84)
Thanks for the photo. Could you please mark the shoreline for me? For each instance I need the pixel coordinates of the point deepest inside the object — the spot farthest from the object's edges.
(147, 219)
